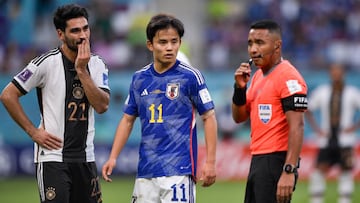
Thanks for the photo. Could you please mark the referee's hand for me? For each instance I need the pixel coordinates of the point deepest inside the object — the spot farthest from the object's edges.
(285, 187)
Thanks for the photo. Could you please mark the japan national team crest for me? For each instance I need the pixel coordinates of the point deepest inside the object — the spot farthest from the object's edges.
(172, 90)
(265, 112)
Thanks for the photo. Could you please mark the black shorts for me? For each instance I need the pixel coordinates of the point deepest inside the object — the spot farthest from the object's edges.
(342, 156)
(264, 174)
(60, 182)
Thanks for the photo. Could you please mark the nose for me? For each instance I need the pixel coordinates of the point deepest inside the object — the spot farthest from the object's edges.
(83, 34)
(169, 46)
(252, 48)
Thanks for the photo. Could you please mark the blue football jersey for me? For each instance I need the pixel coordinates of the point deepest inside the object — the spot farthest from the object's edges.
(166, 104)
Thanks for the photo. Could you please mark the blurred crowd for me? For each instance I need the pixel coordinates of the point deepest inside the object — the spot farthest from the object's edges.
(314, 32)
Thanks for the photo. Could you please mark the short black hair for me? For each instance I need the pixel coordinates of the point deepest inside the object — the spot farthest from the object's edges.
(162, 21)
(67, 12)
(268, 24)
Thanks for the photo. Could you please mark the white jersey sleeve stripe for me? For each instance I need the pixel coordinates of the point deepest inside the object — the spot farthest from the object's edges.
(37, 61)
(196, 72)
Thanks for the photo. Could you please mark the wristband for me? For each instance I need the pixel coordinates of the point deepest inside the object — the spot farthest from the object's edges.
(239, 96)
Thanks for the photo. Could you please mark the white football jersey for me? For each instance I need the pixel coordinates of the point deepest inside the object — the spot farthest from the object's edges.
(350, 103)
(64, 109)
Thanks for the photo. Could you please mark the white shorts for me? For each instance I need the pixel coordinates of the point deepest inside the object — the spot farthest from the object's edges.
(164, 190)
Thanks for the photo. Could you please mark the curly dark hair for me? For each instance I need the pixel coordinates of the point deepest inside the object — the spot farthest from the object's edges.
(67, 12)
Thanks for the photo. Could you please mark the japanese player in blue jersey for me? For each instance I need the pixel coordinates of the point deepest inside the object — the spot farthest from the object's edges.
(166, 95)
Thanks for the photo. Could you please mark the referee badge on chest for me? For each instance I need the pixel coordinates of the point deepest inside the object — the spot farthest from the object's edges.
(265, 112)
(172, 90)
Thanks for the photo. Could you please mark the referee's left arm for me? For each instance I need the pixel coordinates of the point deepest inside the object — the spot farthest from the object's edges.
(296, 135)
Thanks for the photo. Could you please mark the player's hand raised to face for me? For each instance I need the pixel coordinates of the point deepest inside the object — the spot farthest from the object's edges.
(83, 55)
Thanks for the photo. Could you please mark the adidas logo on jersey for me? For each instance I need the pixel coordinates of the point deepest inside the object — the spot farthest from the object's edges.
(144, 92)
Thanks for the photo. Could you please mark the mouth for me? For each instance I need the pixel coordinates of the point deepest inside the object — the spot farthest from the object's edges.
(168, 56)
(256, 57)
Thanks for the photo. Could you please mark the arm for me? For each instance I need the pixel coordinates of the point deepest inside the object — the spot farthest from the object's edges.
(310, 117)
(10, 99)
(239, 113)
(355, 107)
(317, 99)
(296, 135)
(98, 98)
(286, 182)
(121, 136)
(242, 76)
(353, 128)
(208, 173)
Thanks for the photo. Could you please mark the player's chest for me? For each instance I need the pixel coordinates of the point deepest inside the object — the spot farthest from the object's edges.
(264, 89)
(165, 88)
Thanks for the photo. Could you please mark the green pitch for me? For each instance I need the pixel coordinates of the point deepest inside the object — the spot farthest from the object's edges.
(18, 190)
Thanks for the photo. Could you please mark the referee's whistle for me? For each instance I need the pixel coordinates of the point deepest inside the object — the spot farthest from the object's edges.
(250, 61)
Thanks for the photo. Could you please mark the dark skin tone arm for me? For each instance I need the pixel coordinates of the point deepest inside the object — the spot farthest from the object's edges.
(242, 77)
(286, 182)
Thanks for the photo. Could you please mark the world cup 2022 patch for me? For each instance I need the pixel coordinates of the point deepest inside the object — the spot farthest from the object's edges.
(24, 75)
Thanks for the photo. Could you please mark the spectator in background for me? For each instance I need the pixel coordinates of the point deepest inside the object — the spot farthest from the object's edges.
(275, 103)
(306, 24)
(165, 95)
(337, 103)
(71, 83)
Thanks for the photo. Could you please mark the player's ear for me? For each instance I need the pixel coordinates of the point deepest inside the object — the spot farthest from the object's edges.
(149, 45)
(277, 44)
(60, 34)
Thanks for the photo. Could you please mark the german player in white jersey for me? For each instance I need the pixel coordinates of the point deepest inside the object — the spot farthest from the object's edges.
(166, 95)
(337, 104)
(71, 84)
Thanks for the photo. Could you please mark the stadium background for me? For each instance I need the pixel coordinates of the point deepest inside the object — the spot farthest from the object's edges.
(315, 33)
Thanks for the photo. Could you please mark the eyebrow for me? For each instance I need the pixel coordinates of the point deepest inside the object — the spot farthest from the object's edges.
(78, 28)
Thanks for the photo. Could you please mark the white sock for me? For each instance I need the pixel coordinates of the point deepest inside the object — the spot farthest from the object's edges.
(317, 199)
(344, 199)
